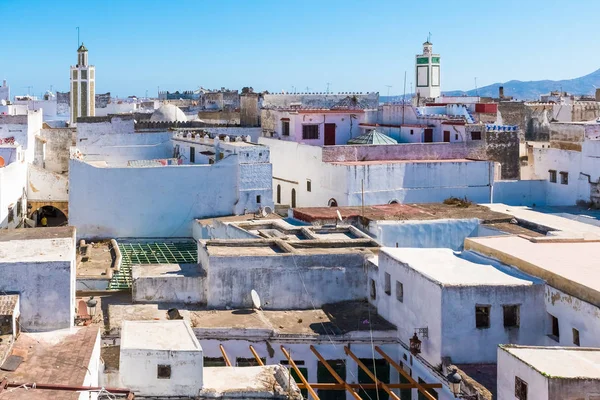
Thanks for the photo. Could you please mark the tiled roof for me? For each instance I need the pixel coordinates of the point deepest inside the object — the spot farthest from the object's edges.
(372, 137)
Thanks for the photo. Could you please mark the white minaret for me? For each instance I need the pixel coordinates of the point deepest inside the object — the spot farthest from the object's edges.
(427, 70)
(83, 87)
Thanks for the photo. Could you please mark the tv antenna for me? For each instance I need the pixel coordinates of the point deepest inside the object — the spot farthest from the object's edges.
(476, 90)
(388, 92)
(328, 87)
(77, 36)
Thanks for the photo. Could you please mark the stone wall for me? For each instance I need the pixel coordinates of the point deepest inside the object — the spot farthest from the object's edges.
(249, 111)
(58, 143)
(503, 147)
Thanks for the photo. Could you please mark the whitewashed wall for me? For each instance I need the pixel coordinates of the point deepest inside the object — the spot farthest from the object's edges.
(46, 185)
(13, 188)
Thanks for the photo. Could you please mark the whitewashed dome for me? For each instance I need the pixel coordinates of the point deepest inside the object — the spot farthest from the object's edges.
(168, 113)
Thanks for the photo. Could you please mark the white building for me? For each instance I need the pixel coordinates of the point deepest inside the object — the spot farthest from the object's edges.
(427, 73)
(548, 373)
(83, 87)
(129, 184)
(160, 358)
(467, 304)
(315, 176)
(47, 104)
(40, 266)
(570, 163)
(569, 266)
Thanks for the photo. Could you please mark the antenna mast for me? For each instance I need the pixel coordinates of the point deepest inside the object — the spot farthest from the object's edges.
(78, 37)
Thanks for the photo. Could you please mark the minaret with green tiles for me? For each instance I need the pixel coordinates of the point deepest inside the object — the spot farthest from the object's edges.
(83, 87)
(427, 72)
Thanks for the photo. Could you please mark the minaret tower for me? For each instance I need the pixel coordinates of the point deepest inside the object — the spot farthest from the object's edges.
(427, 70)
(83, 87)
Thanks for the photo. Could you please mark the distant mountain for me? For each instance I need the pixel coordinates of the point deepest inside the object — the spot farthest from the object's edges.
(531, 90)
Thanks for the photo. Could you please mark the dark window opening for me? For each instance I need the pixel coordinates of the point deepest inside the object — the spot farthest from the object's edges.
(552, 176)
(555, 332)
(308, 185)
(214, 362)
(293, 198)
(456, 136)
(19, 208)
(399, 291)
(324, 376)
(564, 178)
(388, 284)
(258, 199)
(475, 135)
(192, 155)
(576, 337)
(278, 194)
(310, 131)
(373, 290)
(447, 136)
(482, 317)
(412, 132)
(248, 362)
(285, 128)
(163, 372)
(11, 214)
(520, 388)
(381, 369)
(332, 203)
(511, 316)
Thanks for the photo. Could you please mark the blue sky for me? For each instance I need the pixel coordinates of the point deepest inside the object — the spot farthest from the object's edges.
(274, 45)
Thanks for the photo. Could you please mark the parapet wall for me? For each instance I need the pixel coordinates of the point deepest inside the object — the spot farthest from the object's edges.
(410, 151)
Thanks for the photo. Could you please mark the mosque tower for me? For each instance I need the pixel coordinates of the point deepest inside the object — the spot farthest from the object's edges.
(83, 87)
(427, 70)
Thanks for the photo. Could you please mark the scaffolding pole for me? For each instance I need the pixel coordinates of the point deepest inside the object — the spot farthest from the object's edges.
(258, 360)
(371, 375)
(334, 374)
(300, 376)
(227, 362)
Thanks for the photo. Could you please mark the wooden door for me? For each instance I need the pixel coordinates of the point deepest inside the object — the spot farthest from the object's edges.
(329, 135)
(428, 137)
(447, 136)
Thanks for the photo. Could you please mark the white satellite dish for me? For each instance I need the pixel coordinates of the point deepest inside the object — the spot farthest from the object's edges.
(339, 215)
(255, 299)
(266, 211)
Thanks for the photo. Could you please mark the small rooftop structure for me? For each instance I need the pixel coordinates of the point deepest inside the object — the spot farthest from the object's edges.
(373, 137)
(153, 335)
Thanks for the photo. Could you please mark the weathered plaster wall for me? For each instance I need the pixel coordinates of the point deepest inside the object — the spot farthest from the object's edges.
(23, 128)
(415, 310)
(520, 193)
(161, 201)
(123, 147)
(183, 283)
(572, 313)
(284, 281)
(45, 185)
(509, 367)
(13, 188)
(573, 389)
(319, 100)
(138, 370)
(58, 143)
(438, 233)
(47, 290)
(467, 344)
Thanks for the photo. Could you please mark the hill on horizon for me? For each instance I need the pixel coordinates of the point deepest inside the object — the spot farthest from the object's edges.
(531, 90)
(525, 90)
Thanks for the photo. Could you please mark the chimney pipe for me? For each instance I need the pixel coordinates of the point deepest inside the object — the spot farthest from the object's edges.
(501, 92)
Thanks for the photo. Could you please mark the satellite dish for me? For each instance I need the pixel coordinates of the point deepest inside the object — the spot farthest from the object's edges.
(339, 215)
(255, 299)
(266, 211)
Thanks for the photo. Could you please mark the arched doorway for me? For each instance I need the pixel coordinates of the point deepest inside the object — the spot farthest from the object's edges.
(332, 203)
(54, 216)
(293, 198)
(394, 202)
(278, 194)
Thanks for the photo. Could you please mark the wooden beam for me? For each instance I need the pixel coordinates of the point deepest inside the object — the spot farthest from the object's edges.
(3, 384)
(334, 374)
(227, 362)
(398, 368)
(300, 376)
(338, 386)
(371, 375)
(258, 360)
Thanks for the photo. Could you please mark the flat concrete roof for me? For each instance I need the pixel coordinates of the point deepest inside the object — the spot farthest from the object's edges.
(450, 268)
(165, 270)
(572, 267)
(402, 212)
(559, 362)
(174, 335)
(37, 244)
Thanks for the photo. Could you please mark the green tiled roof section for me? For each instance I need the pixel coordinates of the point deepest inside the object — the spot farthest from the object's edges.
(183, 252)
(372, 137)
